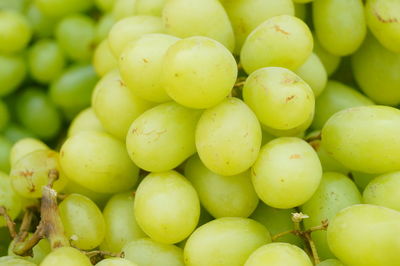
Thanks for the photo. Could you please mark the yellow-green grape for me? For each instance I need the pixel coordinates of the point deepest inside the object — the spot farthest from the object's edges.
(227, 241)
(167, 207)
(15, 31)
(362, 179)
(8, 198)
(150, 7)
(12, 72)
(228, 137)
(331, 62)
(83, 221)
(140, 65)
(103, 27)
(383, 17)
(198, 72)
(364, 138)
(15, 261)
(118, 213)
(161, 138)
(276, 221)
(282, 41)
(99, 198)
(15, 132)
(186, 18)
(313, 73)
(98, 161)
(129, 29)
(60, 8)
(123, 9)
(5, 149)
(376, 71)
(116, 106)
(336, 97)
(103, 60)
(39, 251)
(287, 172)
(335, 192)
(86, 120)
(384, 191)
(298, 131)
(66, 256)
(330, 262)
(339, 25)
(24, 146)
(300, 11)
(365, 235)
(286, 104)
(246, 15)
(147, 252)
(31, 172)
(279, 254)
(41, 24)
(115, 262)
(104, 5)
(222, 196)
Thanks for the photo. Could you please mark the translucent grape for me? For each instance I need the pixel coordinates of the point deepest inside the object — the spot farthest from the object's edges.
(330, 61)
(12, 73)
(60, 8)
(66, 256)
(86, 120)
(330, 262)
(150, 7)
(103, 27)
(123, 9)
(103, 60)
(24, 147)
(15, 261)
(115, 262)
(8, 198)
(313, 73)
(15, 31)
(41, 24)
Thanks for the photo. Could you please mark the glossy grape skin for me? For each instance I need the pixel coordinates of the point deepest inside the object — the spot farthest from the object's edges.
(66, 256)
(98, 161)
(99, 198)
(150, 7)
(115, 262)
(25, 146)
(8, 198)
(103, 27)
(15, 31)
(12, 73)
(103, 60)
(330, 262)
(313, 73)
(15, 261)
(60, 8)
(5, 149)
(86, 120)
(331, 62)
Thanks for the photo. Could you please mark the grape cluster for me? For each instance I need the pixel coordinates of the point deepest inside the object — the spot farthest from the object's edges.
(199, 132)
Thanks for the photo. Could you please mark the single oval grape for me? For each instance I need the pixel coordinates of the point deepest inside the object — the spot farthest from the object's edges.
(15, 31)
(12, 73)
(115, 262)
(86, 120)
(24, 146)
(66, 256)
(314, 74)
(103, 60)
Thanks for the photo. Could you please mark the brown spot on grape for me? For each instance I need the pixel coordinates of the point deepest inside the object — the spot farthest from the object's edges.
(385, 20)
(176, 75)
(295, 156)
(145, 60)
(26, 173)
(289, 98)
(121, 82)
(253, 171)
(279, 29)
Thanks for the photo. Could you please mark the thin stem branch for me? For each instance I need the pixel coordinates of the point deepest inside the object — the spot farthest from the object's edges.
(9, 222)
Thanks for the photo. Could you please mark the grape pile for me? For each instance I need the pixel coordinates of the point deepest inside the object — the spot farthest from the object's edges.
(199, 132)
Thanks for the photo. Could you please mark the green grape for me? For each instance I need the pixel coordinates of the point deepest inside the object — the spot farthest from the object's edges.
(330, 61)
(14, 132)
(222, 196)
(83, 221)
(187, 18)
(141, 64)
(116, 106)
(227, 241)
(86, 120)
(330, 262)
(339, 25)
(336, 97)
(123, 9)
(5, 149)
(18, 5)
(146, 252)
(46, 61)
(15, 261)
(99, 162)
(198, 72)
(129, 29)
(104, 5)
(335, 192)
(103, 60)
(276, 221)
(383, 19)
(362, 179)
(99, 198)
(75, 34)
(161, 138)
(365, 235)
(4, 115)
(25, 146)
(42, 25)
(166, 207)
(66, 256)
(38, 113)
(60, 8)
(8, 198)
(39, 251)
(12, 72)
(313, 73)
(279, 254)
(121, 225)
(15, 31)
(246, 15)
(364, 138)
(281, 41)
(228, 137)
(103, 27)
(115, 262)
(376, 71)
(298, 131)
(150, 7)
(31, 172)
(287, 172)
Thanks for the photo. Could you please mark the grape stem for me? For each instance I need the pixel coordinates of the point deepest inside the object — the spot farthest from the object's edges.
(97, 255)
(9, 222)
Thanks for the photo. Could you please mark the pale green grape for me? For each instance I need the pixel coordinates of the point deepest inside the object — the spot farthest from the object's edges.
(336, 97)
(335, 192)
(365, 235)
(15, 261)
(18, 5)
(66, 256)
(4, 115)
(150, 7)
(167, 207)
(25, 146)
(246, 15)
(42, 25)
(198, 72)
(227, 241)
(313, 73)
(339, 25)
(59, 8)
(86, 120)
(228, 137)
(140, 65)
(116, 106)
(8, 198)
(161, 138)
(186, 18)
(331, 62)
(12, 72)
(146, 252)
(121, 225)
(298, 131)
(103, 60)
(98, 161)
(115, 262)
(330, 262)
(279, 254)
(15, 31)
(14, 132)
(376, 71)
(103, 27)
(31, 172)
(39, 251)
(364, 138)
(222, 196)
(5, 149)
(362, 179)
(99, 198)
(123, 9)
(281, 41)
(129, 29)
(383, 17)
(287, 173)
